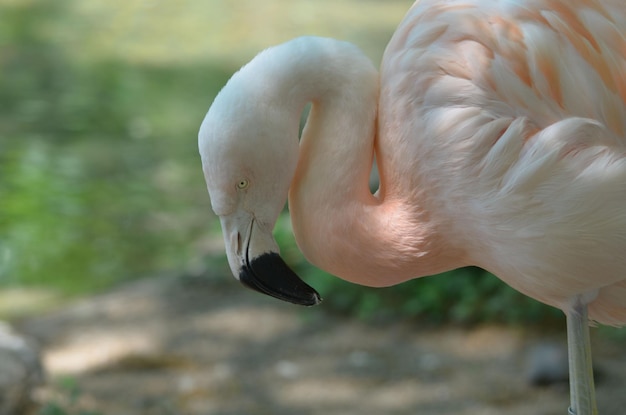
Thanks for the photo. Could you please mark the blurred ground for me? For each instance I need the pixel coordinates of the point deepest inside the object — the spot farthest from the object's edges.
(192, 345)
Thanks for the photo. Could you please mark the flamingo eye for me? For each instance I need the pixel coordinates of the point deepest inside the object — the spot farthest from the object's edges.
(243, 184)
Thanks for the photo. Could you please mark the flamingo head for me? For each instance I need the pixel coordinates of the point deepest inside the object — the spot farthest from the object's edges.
(249, 158)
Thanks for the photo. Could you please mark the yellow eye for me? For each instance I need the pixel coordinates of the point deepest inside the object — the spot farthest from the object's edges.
(242, 184)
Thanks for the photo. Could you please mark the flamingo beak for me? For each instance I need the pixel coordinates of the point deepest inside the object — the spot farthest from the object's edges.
(253, 256)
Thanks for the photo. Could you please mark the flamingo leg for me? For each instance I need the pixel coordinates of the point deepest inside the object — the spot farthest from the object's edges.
(582, 389)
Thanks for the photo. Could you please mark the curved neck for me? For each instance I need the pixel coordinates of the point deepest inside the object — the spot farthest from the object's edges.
(339, 225)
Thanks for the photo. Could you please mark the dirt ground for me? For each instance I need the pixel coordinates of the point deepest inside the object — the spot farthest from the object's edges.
(191, 346)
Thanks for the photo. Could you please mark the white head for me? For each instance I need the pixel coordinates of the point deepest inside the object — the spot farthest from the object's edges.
(248, 143)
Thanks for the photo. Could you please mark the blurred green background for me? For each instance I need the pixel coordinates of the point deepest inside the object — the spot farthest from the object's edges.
(100, 181)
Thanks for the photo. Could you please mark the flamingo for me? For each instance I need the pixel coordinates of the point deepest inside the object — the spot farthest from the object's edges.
(499, 131)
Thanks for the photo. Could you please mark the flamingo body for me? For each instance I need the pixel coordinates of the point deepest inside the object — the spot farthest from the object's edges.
(501, 144)
(499, 130)
(521, 109)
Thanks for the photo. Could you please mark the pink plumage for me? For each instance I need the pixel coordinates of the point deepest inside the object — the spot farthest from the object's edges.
(499, 130)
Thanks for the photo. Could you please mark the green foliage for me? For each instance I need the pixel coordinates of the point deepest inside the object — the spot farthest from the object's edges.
(67, 403)
(99, 174)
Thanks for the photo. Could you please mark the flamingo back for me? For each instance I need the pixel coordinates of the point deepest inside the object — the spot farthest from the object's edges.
(516, 142)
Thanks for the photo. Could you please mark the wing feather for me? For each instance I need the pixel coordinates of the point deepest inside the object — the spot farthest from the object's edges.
(518, 112)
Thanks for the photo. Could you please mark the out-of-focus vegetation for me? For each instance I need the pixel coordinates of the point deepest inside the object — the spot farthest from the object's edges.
(99, 176)
(67, 401)
(100, 181)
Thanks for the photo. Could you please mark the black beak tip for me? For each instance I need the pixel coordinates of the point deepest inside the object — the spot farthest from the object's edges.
(270, 275)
